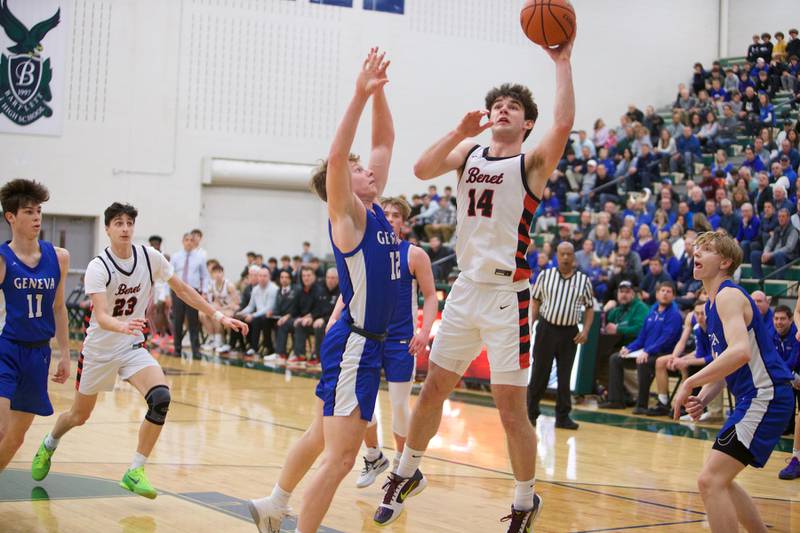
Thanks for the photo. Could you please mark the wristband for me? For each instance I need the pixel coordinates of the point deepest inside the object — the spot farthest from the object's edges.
(218, 316)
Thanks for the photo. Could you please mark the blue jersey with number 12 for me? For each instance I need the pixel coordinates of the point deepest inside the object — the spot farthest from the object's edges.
(28, 295)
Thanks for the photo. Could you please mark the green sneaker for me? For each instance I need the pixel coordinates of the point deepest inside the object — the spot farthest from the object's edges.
(135, 480)
(41, 463)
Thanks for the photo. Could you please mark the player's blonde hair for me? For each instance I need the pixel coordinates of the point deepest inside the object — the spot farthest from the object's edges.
(724, 245)
(398, 203)
(320, 175)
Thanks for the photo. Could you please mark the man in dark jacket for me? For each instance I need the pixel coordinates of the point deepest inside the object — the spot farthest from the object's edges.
(303, 313)
(284, 306)
(326, 301)
(661, 331)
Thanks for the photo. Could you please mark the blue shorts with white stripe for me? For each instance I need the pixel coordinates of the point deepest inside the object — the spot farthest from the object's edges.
(351, 372)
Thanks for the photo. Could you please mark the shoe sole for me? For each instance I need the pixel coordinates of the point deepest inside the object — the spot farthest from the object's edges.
(40, 478)
(256, 517)
(149, 495)
(378, 471)
(538, 511)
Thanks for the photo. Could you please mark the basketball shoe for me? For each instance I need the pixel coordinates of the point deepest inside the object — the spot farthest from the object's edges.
(267, 515)
(41, 463)
(371, 470)
(521, 521)
(135, 480)
(396, 490)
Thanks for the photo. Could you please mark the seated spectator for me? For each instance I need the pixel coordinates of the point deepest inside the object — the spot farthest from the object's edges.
(667, 258)
(437, 252)
(728, 220)
(661, 331)
(652, 280)
(781, 248)
(622, 325)
(259, 312)
(297, 264)
(302, 321)
(645, 245)
(751, 110)
(643, 171)
(546, 219)
(785, 336)
(766, 111)
(443, 221)
(661, 223)
(711, 213)
(284, 307)
(632, 259)
(793, 46)
(731, 82)
(603, 245)
(708, 133)
(688, 152)
(609, 191)
(717, 93)
(421, 220)
(578, 201)
(583, 142)
(751, 161)
(728, 127)
(779, 195)
(323, 308)
(665, 149)
(685, 100)
(762, 302)
(694, 325)
(237, 341)
(790, 151)
(788, 171)
(624, 162)
(223, 297)
(748, 229)
(790, 74)
(585, 256)
(600, 135)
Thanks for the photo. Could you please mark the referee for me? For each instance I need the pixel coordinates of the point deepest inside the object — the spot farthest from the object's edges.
(558, 296)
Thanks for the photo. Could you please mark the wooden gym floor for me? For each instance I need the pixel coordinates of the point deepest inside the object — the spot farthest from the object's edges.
(229, 430)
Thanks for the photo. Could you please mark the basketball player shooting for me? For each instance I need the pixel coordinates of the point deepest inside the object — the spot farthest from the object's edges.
(499, 188)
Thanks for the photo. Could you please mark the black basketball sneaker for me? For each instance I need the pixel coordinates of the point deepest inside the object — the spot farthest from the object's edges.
(522, 521)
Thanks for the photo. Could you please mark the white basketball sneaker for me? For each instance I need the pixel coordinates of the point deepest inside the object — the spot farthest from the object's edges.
(267, 515)
(371, 471)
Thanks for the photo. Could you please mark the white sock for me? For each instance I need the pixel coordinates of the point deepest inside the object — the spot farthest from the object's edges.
(795, 453)
(280, 496)
(409, 462)
(396, 461)
(523, 494)
(138, 460)
(663, 398)
(50, 443)
(373, 453)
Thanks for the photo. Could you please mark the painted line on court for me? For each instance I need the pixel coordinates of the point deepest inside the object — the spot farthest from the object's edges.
(459, 463)
(644, 526)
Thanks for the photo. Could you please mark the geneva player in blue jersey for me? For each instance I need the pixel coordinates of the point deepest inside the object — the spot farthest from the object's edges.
(368, 261)
(403, 342)
(32, 311)
(745, 357)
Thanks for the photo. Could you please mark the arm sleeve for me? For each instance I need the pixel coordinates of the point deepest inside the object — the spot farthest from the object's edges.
(162, 269)
(96, 277)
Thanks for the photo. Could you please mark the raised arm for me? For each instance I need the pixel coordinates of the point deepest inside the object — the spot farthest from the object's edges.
(61, 318)
(421, 269)
(449, 152)
(345, 209)
(382, 139)
(543, 158)
(194, 299)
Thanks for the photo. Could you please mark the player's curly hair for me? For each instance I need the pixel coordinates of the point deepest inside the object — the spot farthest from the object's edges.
(517, 92)
(320, 174)
(20, 193)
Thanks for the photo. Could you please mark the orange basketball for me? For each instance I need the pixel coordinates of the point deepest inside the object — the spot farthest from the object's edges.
(548, 22)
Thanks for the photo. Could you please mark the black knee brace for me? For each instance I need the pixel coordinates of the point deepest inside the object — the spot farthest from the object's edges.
(158, 399)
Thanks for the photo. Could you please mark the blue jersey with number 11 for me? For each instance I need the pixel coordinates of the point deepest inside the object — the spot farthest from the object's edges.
(28, 295)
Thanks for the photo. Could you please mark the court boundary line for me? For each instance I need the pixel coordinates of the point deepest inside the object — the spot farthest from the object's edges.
(644, 526)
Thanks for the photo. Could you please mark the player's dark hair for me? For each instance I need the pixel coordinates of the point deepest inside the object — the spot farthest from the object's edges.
(20, 193)
(783, 309)
(117, 209)
(517, 92)
(216, 267)
(669, 284)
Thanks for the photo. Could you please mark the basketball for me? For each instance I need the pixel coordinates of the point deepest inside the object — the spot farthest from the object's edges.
(548, 22)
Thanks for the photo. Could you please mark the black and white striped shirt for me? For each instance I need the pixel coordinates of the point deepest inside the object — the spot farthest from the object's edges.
(563, 299)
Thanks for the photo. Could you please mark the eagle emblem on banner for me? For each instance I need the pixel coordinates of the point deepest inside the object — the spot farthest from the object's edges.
(24, 75)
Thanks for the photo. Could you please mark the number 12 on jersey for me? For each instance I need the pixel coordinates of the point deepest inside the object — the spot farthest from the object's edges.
(394, 258)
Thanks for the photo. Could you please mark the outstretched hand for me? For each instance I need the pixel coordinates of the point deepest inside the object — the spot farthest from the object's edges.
(471, 126)
(236, 325)
(562, 52)
(373, 72)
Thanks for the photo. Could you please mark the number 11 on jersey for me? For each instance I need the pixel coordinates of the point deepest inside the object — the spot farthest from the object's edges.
(395, 260)
(38, 313)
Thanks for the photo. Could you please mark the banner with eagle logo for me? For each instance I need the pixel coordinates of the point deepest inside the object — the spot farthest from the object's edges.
(33, 37)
